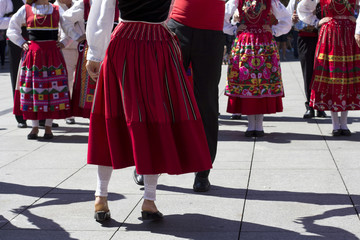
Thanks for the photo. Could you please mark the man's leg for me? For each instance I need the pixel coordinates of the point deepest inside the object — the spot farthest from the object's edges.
(14, 58)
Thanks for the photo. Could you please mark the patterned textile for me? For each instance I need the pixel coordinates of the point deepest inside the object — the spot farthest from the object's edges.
(84, 86)
(43, 86)
(336, 79)
(144, 110)
(254, 69)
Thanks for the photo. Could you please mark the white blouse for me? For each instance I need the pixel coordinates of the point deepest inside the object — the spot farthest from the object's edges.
(6, 6)
(277, 8)
(306, 10)
(98, 29)
(75, 15)
(19, 19)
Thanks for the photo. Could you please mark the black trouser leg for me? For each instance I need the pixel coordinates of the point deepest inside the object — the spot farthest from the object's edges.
(14, 58)
(204, 50)
(307, 47)
(2, 51)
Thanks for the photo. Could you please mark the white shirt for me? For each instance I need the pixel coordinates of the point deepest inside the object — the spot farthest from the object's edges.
(279, 11)
(6, 6)
(19, 19)
(99, 26)
(75, 15)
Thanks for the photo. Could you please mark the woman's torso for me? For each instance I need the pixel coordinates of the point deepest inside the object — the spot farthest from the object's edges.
(147, 11)
(333, 8)
(254, 12)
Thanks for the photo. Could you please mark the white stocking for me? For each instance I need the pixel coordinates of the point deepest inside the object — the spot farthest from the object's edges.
(35, 123)
(259, 122)
(335, 120)
(48, 122)
(251, 122)
(343, 120)
(150, 183)
(103, 179)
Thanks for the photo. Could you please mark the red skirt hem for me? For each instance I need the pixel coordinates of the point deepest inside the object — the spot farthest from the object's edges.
(253, 106)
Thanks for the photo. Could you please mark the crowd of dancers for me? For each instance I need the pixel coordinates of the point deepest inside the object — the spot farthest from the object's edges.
(123, 64)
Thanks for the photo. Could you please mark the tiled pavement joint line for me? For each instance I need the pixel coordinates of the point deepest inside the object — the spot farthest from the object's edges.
(247, 189)
(28, 207)
(132, 210)
(17, 159)
(338, 170)
(6, 111)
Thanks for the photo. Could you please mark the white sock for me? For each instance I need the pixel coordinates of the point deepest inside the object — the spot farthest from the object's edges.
(343, 120)
(251, 122)
(259, 122)
(150, 183)
(48, 122)
(103, 179)
(35, 123)
(335, 120)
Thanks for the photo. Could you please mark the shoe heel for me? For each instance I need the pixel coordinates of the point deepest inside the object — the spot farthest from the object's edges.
(102, 216)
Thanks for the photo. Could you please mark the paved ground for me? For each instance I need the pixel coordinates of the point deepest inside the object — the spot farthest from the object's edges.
(296, 183)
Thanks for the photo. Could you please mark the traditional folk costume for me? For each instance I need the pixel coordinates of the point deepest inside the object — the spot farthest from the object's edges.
(307, 39)
(144, 111)
(254, 75)
(84, 87)
(42, 91)
(336, 81)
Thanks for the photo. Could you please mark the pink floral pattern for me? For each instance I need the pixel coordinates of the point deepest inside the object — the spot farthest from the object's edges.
(254, 69)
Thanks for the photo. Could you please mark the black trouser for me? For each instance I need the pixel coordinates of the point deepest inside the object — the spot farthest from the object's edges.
(204, 50)
(307, 47)
(14, 58)
(2, 51)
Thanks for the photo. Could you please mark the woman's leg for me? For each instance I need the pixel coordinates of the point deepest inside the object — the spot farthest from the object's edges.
(343, 120)
(251, 122)
(335, 120)
(101, 206)
(48, 126)
(259, 119)
(149, 209)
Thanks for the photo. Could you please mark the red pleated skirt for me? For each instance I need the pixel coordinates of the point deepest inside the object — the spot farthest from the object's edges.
(144, 111)
(336, 78)
(252, 106)
(42, 91)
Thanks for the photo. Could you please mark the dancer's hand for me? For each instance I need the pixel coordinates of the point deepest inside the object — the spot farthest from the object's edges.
(324, 20)
(25, 46)
(241, 28)
(267, 28)
(81, 38)
(93, 69)
(60, 45)
(357, 39)
(295, 17)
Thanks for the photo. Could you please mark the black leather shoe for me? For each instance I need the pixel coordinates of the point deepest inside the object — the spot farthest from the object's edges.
(250, 133)
(22, 125)
(310, 113)
(48, 136)
(259, 133)
(345, 132)
(155, 216)
(101, 216)
(336, 132)
(201, 184)
(235, 117)
(321, 114)
(138, 178)
(32, 136)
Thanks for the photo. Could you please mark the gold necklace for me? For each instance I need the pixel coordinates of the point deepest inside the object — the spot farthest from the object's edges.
(254, 17)
(36, 10)
(339, 12)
